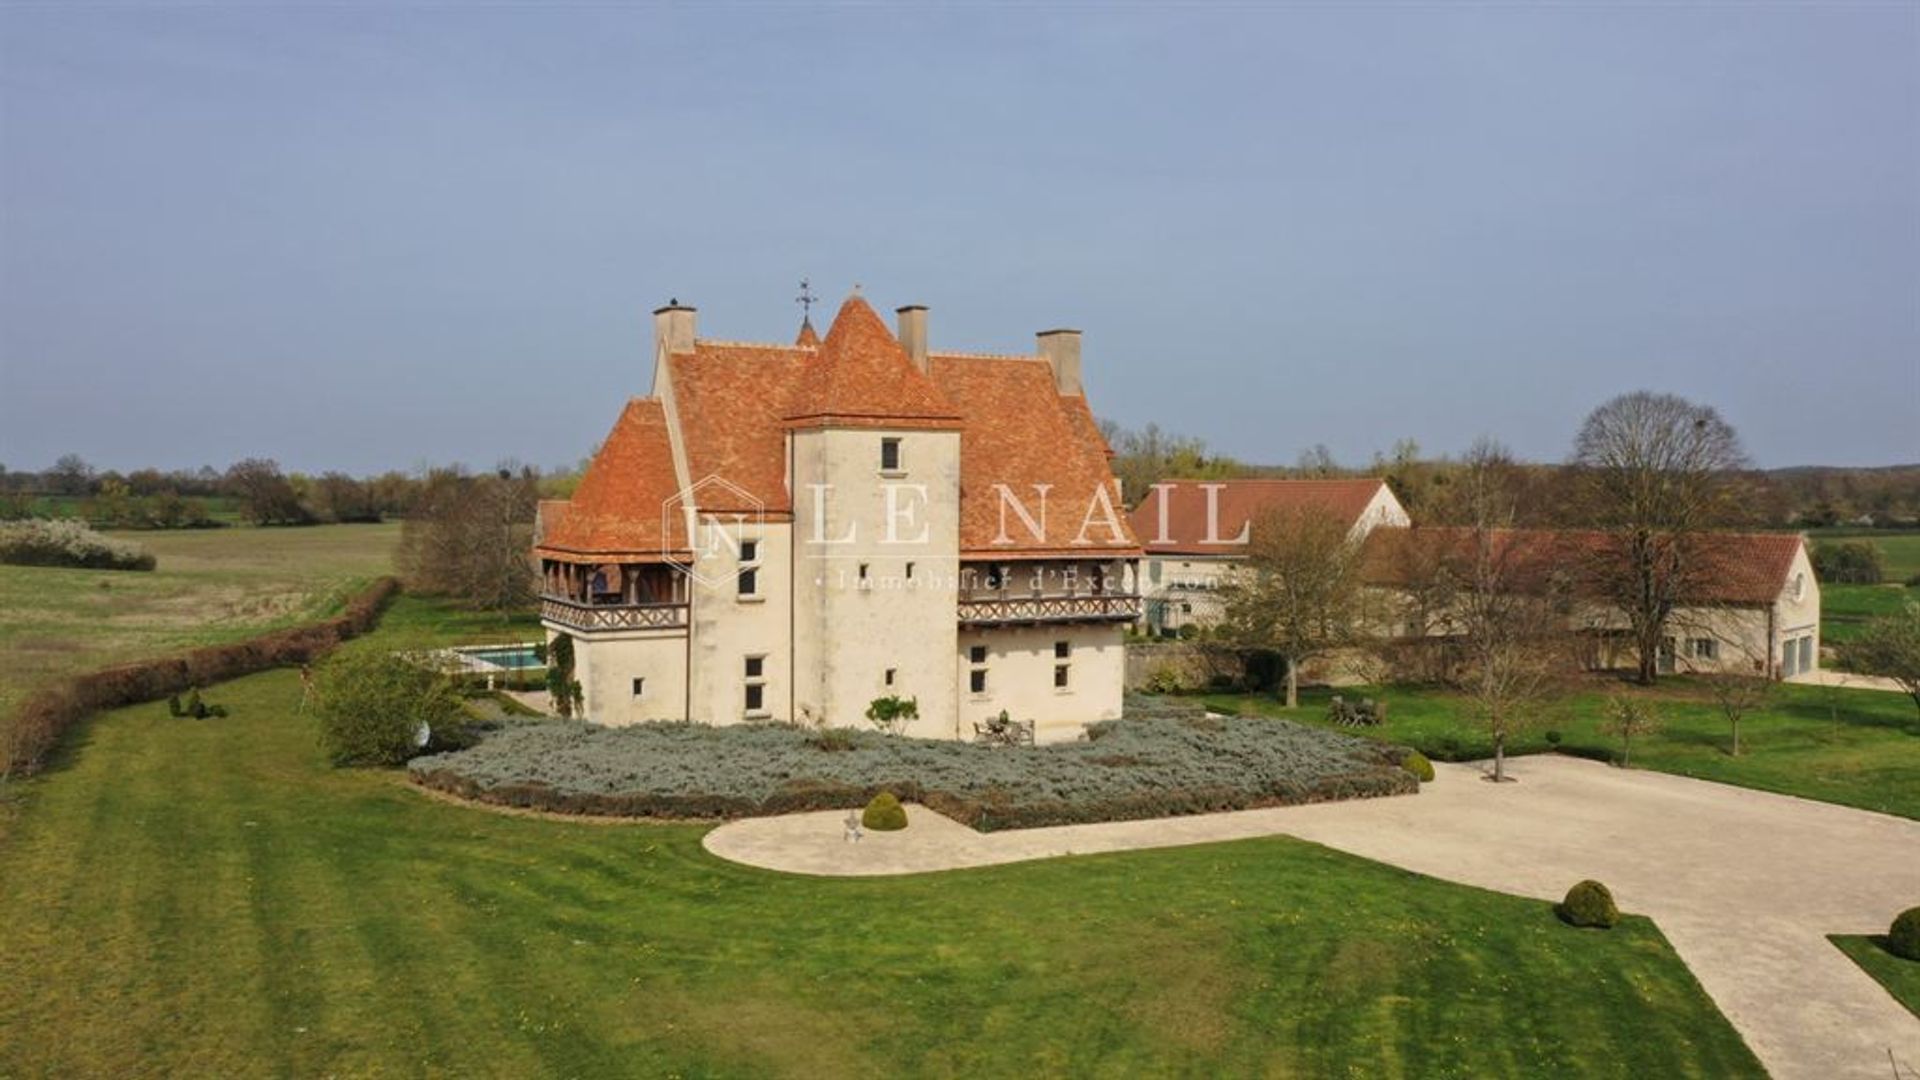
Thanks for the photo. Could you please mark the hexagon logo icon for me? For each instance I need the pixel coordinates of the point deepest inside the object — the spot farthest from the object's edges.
(717, 515)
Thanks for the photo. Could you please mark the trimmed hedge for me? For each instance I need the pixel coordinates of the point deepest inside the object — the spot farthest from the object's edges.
(1588, 904)
(884, 814)
(1416, 763)
(46, 714)
(1903, 937)
(1127, 769)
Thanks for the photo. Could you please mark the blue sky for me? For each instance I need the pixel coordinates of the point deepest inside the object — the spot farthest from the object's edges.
(364, 237)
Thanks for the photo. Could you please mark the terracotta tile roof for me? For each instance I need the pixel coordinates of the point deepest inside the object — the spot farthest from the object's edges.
(731, 402)
(861, 377)
(807, 339)
(1020, 431)
(616, 511)
(1239, 502)
(1735, 568)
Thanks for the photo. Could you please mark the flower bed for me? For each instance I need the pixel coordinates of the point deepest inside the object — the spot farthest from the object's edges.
(1140, 767)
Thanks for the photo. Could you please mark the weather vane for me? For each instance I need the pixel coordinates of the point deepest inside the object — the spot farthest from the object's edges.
(805, 299)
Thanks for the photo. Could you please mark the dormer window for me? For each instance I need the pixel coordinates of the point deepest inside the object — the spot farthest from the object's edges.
(890, 455)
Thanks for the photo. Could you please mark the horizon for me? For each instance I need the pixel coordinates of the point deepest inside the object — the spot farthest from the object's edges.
(369, 240)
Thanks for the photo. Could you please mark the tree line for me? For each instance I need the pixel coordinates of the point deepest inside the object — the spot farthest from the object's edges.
(254, 490)
(1547, 494)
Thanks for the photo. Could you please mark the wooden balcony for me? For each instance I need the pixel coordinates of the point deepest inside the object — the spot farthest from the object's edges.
(588, 618)
(1008, 609)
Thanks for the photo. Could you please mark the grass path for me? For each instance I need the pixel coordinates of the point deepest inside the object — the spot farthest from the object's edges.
(1899, 975)
(208, 898)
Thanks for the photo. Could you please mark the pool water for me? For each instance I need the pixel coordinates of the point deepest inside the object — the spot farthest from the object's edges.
(510, 657)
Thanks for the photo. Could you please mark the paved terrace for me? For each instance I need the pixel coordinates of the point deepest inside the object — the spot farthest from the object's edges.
(1745, 884)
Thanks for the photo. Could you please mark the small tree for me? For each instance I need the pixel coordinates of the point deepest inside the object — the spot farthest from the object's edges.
(1629, 717)
(1889, 647)
(373, 707)
(1297, 596)
(892, 713)
(1738, 694)
(562, 689)
(1507, 606)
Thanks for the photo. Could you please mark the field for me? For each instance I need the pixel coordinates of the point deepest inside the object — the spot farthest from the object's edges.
(1844, 609)
(1854, 747)
(212, 586)
(209, 898)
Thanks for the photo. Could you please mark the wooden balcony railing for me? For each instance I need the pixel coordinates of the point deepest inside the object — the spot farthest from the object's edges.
(578, 616)
(1006, 609)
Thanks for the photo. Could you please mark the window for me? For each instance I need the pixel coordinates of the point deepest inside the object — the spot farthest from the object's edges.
(977, 654)
(1704, 648)
(909, 571)
(863, 571)
(890, 455)
(1062, 650)
(890, 672)
(749, 568)
(977, 680)
(1060, 676)
(756, 697)
(639, 687)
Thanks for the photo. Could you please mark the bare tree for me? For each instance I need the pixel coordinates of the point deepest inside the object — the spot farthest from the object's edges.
(1297, 596)
(1629, 717)
(1890, 648)
(1508, 607)
(471, 537)
(1655, 471)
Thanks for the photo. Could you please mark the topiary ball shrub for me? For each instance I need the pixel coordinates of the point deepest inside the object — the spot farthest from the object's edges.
(1416, 763)
(884, 814)
(1903, 938)
(1588, 904)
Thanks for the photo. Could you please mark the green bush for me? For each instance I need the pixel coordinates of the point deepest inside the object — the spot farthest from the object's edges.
(1903, 937)
(884, 814)
(1416, 763)
(1588, 904)
(374, 706)
(1848, 562)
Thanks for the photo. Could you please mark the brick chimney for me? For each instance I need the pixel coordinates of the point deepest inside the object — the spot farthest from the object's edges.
(673, 328)
(913, 333)
(1061, 349)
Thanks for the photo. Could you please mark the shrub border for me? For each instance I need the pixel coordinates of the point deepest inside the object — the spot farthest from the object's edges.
(986, 812)
(46, 715)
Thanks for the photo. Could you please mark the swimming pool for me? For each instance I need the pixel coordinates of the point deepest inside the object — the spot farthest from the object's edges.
(506, 657)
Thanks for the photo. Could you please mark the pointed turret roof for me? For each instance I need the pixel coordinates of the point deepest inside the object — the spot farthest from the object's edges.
(861, 377)
(807, 339)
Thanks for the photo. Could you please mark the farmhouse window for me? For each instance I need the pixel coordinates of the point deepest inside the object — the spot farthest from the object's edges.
(977, 680)
(890, 455)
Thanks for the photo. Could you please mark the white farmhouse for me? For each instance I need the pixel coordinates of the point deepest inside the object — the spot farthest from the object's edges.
(790, 532)
(1196, 531)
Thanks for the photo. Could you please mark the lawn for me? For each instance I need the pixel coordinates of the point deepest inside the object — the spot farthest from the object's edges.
(1854, 747)
(209, 898)
(212, 586)
(1899, 975)
(1845, 609)
(1899, 551)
